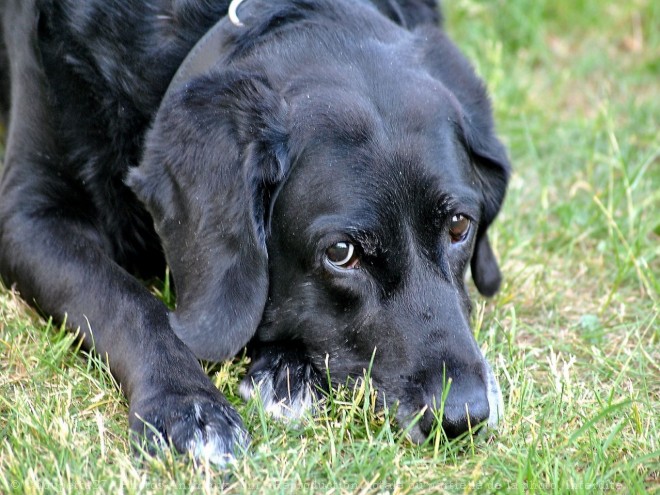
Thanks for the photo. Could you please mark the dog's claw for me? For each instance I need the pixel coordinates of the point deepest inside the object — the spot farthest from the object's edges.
(209, 430)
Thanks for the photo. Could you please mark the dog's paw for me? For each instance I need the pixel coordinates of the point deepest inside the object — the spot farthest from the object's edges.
(287, 385)
(205, 426)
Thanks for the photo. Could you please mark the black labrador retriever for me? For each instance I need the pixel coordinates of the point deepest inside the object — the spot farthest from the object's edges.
(317, 174)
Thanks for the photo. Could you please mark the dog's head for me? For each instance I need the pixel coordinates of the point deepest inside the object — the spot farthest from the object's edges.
(332, 200)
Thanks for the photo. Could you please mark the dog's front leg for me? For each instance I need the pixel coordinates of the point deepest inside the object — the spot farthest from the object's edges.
(56, 265)
(56, 248)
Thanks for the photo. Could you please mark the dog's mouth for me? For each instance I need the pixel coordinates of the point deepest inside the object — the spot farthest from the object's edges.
(289, 389)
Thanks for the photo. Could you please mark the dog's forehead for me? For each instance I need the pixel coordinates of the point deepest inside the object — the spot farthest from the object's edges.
(375, 178)
(353, 103)
(346, 145)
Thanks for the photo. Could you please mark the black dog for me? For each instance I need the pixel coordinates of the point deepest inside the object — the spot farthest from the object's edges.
(317, 174)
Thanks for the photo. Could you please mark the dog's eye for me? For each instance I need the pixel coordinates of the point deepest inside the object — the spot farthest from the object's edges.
(342, 255)
(458, 228)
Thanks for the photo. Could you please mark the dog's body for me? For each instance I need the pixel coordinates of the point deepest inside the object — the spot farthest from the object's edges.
(317, 179)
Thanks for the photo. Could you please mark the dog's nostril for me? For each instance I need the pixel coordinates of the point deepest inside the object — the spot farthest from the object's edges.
(426, 422)
(457, 420)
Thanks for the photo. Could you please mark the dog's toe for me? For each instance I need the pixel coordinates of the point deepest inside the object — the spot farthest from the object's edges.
(207, 428)
(210, 432)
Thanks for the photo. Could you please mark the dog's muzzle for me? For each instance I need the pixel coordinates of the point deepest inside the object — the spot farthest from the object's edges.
(473, 404)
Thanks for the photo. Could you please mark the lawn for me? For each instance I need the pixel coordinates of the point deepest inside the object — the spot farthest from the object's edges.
(574, 334)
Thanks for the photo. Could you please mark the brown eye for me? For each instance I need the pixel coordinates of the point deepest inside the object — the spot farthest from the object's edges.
(342, 255)
(458, 228)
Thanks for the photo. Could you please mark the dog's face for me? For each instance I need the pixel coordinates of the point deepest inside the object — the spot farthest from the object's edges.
(333, 210)
(370, 238)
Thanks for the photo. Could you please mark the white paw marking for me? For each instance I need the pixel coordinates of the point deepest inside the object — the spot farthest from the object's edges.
(292, 407)
(208, 445)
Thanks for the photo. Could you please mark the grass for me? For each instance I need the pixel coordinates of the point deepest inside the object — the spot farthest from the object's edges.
(573, 335)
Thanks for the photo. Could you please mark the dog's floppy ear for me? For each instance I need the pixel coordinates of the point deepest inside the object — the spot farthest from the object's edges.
(214, 154)
(447, 64)
(492, 170)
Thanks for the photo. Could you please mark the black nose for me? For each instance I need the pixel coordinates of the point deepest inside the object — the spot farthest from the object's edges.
(465, 409)
(458, 419)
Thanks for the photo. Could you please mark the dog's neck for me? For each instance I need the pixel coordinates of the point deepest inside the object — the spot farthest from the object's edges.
(201, 58)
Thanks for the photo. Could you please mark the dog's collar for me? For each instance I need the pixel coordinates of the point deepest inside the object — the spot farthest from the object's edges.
(208, 50)
(232, 13)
